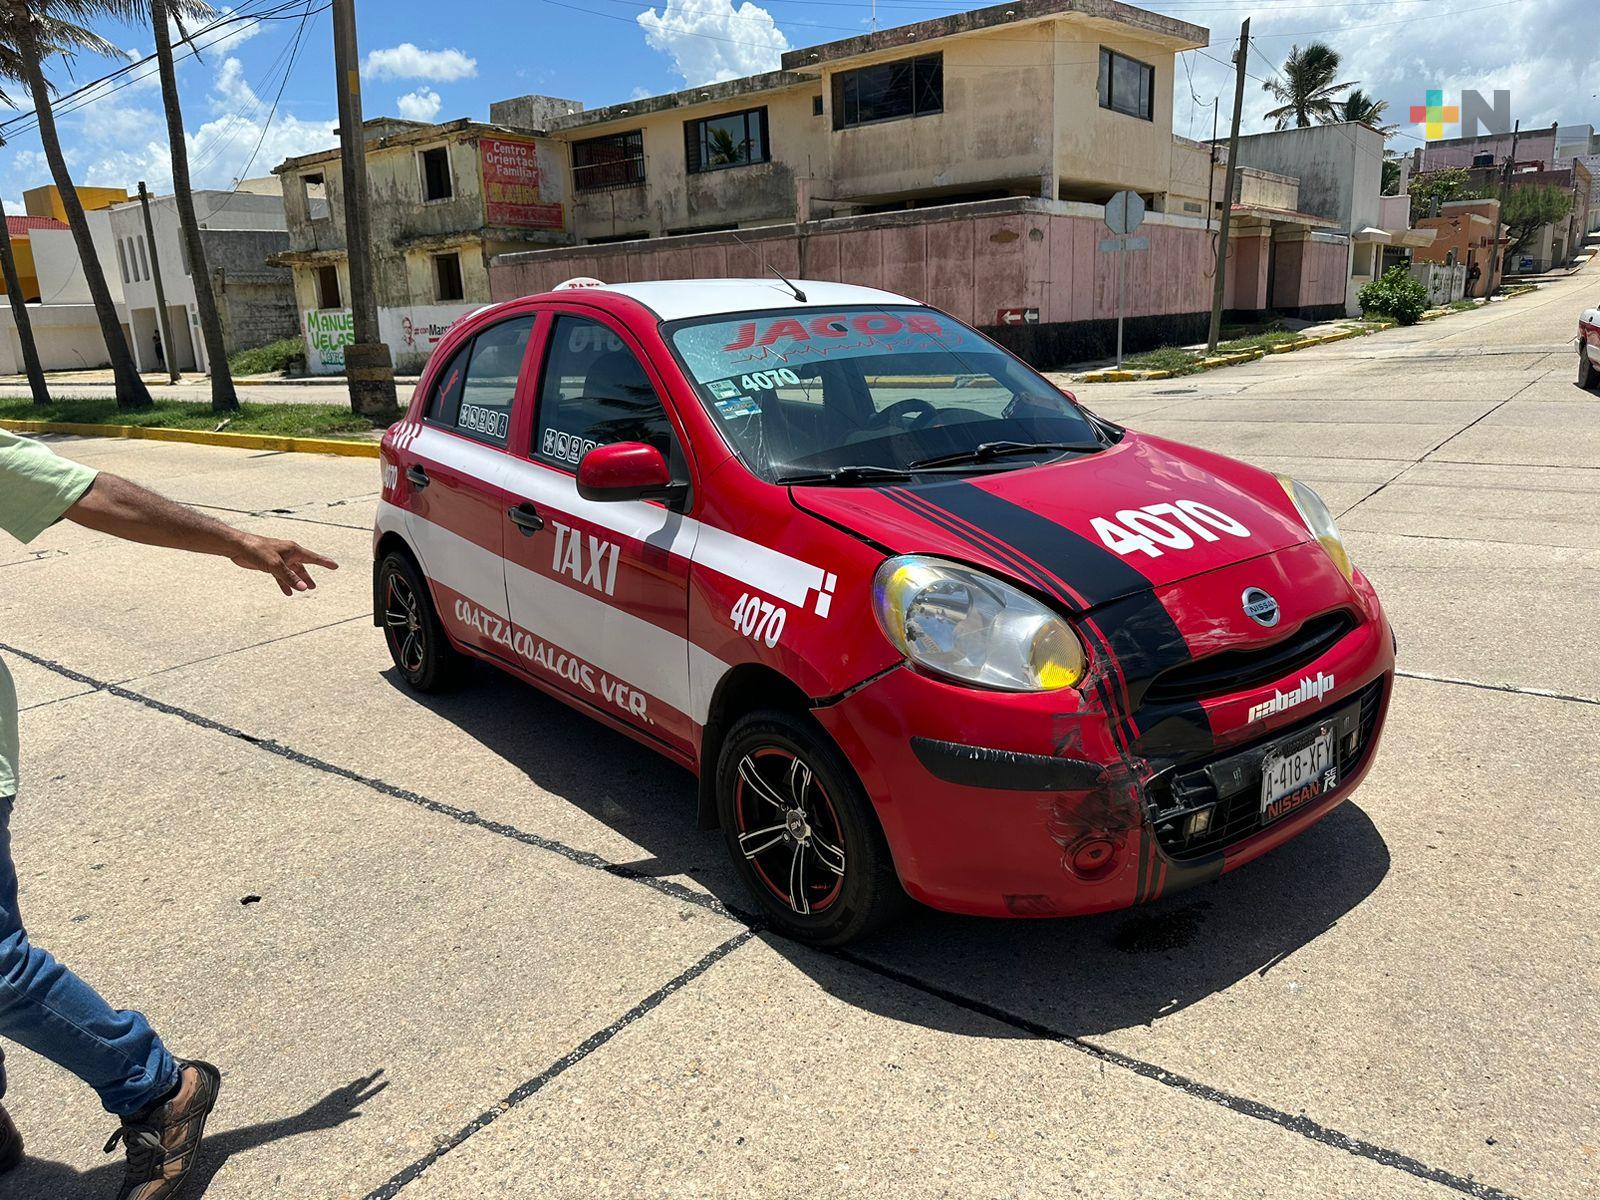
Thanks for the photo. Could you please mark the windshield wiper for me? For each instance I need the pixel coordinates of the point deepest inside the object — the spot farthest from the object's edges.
(846, 476)
(989, 451)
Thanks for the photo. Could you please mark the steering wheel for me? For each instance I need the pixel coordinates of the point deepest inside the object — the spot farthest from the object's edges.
(923, 410)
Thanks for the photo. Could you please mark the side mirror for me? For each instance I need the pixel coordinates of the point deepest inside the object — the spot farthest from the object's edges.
(625, 471)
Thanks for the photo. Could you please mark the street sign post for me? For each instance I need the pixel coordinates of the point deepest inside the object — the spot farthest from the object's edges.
(1124, 214)
(1017, 316)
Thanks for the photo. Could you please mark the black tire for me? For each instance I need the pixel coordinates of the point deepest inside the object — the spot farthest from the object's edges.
(779, 768)
(1588, 377)
(417, 643)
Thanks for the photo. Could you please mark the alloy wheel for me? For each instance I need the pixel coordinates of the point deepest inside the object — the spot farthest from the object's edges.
(403, 623)
(789, 830)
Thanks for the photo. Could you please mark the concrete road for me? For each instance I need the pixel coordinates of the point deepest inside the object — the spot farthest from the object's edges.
(475, 947)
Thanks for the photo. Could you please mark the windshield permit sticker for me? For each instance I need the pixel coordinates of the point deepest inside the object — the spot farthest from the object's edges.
(737, 406)
(723, 389)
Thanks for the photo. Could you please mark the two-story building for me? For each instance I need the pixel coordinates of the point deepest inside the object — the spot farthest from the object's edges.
(444, 200)
(1048, 99)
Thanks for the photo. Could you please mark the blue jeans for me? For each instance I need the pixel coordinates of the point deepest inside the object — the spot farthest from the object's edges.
(52, 1012)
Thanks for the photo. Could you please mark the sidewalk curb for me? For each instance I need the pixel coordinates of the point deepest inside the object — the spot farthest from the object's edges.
(202, 437)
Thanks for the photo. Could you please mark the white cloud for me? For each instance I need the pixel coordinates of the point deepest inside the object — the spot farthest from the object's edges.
(13, 207)
(407, 61)
(710, 40)
(1399, 53)
(224, 38)
(420, 105)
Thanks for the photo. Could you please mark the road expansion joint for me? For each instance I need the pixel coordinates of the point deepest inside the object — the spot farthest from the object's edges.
(1296, 1123)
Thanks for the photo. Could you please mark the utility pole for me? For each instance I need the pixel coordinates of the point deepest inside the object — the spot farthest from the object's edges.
(162, 318)
(367, 365)
(1219, 282)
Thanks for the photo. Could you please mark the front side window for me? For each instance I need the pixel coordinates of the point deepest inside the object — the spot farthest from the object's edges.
(594, 392)
(730, 140)
(328, 294)
(802, 391)
(1127, 85)
(474, 393)
(613, 161)
(911, 87)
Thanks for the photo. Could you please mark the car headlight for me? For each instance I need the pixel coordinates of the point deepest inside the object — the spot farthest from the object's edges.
(1318, 520)
(973, 627)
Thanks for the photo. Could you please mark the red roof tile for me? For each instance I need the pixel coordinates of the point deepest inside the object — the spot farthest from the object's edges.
(17, 226)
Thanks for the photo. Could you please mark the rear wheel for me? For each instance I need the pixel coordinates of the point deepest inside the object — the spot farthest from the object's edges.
(417, 642)
(802, 832)
(1588, 376)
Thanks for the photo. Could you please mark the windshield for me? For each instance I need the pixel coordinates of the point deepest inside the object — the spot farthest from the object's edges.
(804, 392)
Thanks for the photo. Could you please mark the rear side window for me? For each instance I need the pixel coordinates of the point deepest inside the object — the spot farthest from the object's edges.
(475, 391)
(595, 392)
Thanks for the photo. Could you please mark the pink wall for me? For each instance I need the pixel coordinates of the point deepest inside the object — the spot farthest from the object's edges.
(1247, 274)
(970, 264)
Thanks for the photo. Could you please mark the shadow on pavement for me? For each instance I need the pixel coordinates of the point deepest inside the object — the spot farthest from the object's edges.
(39, 1179)
(1078, 976)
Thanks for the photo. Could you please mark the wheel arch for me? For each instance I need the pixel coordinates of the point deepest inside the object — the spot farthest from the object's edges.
(744, 688)
(390, 542)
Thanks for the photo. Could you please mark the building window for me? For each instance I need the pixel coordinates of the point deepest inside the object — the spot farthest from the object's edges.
(1127, 85)
(816, 106)
(328, 287)
(613, 161)
(314, 191)
(1483, 160)
(912, 87)
(122, 261)
(447, 278)
(730, 140)
(144, 261)
(436, 174)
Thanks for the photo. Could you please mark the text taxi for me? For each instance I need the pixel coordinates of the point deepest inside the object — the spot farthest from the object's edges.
(921, 623)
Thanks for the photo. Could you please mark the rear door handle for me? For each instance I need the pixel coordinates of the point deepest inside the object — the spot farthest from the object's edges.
(526, 518)
(417, 476)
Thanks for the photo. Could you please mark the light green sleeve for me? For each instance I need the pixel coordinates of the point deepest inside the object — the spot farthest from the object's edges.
(36, 486)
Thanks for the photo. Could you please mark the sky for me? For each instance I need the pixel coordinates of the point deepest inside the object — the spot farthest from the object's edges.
(262, 90)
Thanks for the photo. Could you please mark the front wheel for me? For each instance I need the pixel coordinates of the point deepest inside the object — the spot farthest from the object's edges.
(802, 832)
(1588, 377)
(417, 642)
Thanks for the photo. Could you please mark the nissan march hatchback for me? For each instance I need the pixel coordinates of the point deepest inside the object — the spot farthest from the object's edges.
(922, 625)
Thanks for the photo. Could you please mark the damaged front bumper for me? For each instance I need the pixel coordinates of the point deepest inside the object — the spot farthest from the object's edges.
(1004, 804)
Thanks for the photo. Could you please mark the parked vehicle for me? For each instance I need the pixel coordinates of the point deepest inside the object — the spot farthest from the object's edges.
(921, 623)
(1589, 349)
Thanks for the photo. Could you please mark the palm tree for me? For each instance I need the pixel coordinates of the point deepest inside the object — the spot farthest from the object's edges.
(1368, 110)
(223, 397)
(19, 310)
(10, 68)
(1305, 89)
(31, 32)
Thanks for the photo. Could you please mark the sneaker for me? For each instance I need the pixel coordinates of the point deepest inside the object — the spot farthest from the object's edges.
(10, 1143)
(163, 1144)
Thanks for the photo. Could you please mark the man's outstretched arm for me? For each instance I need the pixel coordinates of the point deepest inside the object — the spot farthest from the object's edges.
(125, 510)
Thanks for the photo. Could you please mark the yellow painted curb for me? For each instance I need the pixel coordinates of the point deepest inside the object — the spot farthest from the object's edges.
(202, 437)
(1340, 336)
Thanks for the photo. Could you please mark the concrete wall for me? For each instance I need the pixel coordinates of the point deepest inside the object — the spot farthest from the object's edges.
(55, 256)
(971, 260)
(1533, 145)
(1340, 169)
(67, 336)
(1267, 189)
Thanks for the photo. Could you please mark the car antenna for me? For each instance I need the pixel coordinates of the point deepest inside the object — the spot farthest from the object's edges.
(798, 294)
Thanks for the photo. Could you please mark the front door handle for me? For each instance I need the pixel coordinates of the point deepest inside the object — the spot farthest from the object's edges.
(417, 476)
(526, 518)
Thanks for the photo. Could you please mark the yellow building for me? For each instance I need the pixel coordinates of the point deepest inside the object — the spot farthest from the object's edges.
(46, 201)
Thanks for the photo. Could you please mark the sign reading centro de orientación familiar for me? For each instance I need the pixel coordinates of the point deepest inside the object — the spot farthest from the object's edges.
(513, 186)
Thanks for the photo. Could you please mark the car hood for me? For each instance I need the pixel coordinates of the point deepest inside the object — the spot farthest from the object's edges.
(1052, 522)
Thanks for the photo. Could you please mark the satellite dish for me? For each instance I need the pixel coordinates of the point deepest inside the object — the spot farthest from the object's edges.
(582, 281)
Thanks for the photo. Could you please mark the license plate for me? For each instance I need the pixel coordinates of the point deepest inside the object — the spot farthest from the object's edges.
(1291, 779)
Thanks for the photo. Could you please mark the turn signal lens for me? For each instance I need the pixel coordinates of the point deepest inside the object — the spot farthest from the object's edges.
(970, 626)
(1319, 521)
